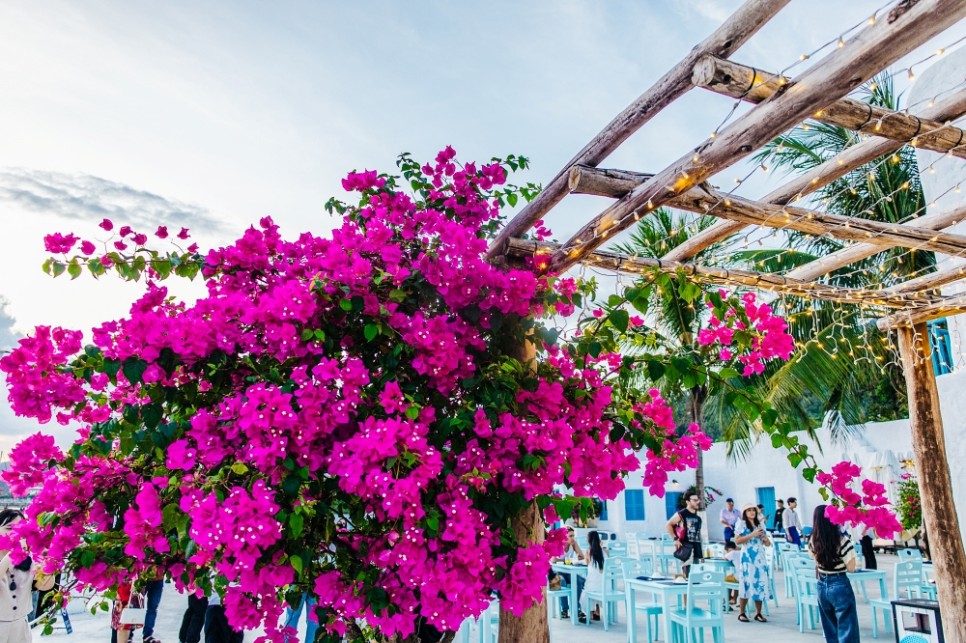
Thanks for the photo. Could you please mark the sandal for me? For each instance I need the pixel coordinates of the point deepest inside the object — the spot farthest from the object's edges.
(760, 618)
(743, 618)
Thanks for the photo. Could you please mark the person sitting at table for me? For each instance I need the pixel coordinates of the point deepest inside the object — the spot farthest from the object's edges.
(572, 554)
(753, 573)
(732, 555)
(594, 556)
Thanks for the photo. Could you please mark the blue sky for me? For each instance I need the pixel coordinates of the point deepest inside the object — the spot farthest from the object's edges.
(218, 113)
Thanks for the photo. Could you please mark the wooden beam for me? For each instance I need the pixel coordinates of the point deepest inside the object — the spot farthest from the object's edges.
(952, 107)
(723, 276)
(859, 251)
(945, 307)
(940, 518)
(706, 200)
(753, 85)
(725, 40)
(929, 281)
(906, 27)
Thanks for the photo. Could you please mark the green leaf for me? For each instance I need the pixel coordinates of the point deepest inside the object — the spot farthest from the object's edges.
(619, 319)
(371, 331)
(133, 368)
(512, 199)
(58, 268)
(795, 459)
(296, 522)
(239, 468)
(776, 440)
(74, 269)
(296, 562)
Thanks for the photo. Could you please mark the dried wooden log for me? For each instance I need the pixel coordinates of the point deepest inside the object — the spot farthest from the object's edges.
(839, 73)
(725, 276)
(854, 157)
(726, 39)
(932, 468)
(952, 305)
(846, 256)
(706, 200)
(929, 281)
(753, 85)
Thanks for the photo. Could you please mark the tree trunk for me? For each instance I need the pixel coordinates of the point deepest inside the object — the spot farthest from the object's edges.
(532, 626)
(938, 510)
(528, 527)
(698, 396)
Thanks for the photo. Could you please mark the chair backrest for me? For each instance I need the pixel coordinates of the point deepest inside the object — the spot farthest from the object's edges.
(717, 550)
(706, 585)
(806, 585)
(633, 547)
(909, 553)
(635, 567)
(806, 531)
(908, 577)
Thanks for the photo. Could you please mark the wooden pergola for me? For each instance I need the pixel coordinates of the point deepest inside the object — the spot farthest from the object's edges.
(781, 103)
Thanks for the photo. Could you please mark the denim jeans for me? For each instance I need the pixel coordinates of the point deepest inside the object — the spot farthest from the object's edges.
(292, 617)
(836, 605)
(792, 536)
(152, 590)
(565, 580)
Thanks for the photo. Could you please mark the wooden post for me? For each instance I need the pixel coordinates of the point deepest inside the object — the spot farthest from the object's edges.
(528, 527)
(938, 510)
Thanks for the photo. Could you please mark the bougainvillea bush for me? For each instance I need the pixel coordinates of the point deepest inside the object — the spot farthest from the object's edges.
(350, 415)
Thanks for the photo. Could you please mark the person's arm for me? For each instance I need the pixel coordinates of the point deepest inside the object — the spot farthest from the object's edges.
(721, 517)
(671, 524)
(850, 564)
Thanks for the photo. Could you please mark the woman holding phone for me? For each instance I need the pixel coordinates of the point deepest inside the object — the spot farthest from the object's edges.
(753, 570)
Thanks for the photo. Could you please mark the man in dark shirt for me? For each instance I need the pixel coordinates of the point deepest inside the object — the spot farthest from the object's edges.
(689, 521)
(779, 526)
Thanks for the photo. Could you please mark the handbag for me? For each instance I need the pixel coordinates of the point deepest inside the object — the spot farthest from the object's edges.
(134, 612)
(684, 552)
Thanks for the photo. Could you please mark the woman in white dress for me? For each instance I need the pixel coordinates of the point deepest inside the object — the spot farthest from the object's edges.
(594, 557)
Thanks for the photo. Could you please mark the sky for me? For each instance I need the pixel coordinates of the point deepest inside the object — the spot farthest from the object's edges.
(211, 115)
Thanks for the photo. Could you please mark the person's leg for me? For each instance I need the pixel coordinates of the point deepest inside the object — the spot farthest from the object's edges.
(742, 605)
(795, 537)
(153, 590)
(846, 616)
(198, 606)
(311, 620)
(758, 610)
(123, 636)
(729, 533)
(826, 611)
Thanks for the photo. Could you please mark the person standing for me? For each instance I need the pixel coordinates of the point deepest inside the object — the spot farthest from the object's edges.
(753, 573)
(594, 558)
(193, 621)
(685, 527)
(152, 591)
(779, 526)
(16, 600)
(793, 526)
(834, 557)
(868, 551)
(292, 616)
(728, 518)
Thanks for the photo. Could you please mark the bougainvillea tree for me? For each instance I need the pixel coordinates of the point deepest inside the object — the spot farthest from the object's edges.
(345, 416)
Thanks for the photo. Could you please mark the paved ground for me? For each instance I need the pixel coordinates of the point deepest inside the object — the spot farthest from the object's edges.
(780, 628)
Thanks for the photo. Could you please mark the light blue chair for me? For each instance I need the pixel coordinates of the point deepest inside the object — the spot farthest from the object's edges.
(806, 595)
(653, 610)
(555, 598)
(909, 553)
(907, 579)
(608, 596)
(705, 587)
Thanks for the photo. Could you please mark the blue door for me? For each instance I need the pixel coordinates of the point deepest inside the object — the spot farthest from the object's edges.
(766, 497)
(671, 502)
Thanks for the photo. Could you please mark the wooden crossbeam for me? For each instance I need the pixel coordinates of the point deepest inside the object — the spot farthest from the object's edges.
(726, 39)
(753, 85)
(952, 305)
(704, 199)
(951, 107)
(929, 281)
(722, 276)
(876, 47)
(859, 251)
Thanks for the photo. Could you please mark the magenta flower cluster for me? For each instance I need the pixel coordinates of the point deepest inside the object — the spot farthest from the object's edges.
(753, 338)
(865, 504)
(361, 378)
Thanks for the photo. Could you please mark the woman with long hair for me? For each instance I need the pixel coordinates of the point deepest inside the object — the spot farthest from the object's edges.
(753, 569)
(834, 558)
(594, 557)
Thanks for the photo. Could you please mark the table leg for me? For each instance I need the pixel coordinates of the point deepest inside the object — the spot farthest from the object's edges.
(574, 607)
(666, 601)
(631, 598)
